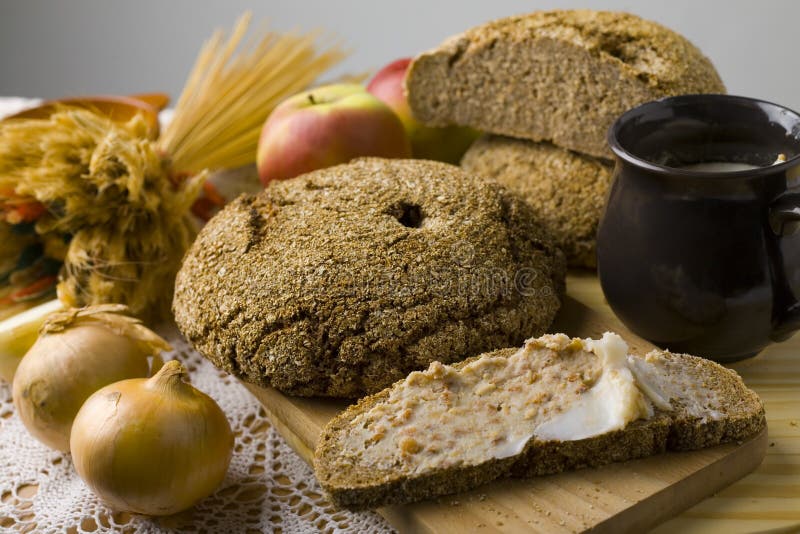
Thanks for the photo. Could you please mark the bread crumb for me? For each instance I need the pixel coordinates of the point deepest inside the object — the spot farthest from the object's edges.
(485, 388)
(792, 423)
(410, 446)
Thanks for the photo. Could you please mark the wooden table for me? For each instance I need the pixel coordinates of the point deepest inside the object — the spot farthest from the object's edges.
(767, 500)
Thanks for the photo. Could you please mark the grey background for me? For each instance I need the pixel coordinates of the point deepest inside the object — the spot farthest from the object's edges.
(67, 47)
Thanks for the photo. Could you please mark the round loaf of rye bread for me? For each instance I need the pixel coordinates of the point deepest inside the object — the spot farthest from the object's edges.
(344, 280)
(562, 76)
(567, 190)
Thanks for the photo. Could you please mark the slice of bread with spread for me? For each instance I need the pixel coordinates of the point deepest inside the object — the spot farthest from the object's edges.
(557, 403)
(566, 190)
(562, 76)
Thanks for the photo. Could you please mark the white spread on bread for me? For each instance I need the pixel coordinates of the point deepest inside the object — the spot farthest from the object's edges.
(614, 400)
(553, 388)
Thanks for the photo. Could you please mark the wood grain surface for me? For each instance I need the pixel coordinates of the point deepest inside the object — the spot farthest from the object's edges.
(768, 499)
(629, 497)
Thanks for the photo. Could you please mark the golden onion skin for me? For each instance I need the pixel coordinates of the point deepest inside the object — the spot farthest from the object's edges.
(62, 369)
(152, 446)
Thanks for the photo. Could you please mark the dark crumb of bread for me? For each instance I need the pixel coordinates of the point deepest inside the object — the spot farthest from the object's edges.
(341, 281)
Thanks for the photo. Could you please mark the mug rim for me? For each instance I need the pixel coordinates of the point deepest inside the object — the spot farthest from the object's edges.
(621, 152)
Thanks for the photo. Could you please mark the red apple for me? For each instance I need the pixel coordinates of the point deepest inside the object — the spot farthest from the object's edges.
(443, 144)
(327, 126)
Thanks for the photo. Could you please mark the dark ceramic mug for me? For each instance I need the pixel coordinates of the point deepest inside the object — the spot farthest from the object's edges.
(699, 261)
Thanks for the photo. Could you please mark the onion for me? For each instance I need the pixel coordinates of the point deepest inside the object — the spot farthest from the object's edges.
(78, 352)
(151, 446)
(19, 332)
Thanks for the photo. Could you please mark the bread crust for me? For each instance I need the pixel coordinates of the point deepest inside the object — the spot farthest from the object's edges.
(356, 487)
(562, 76)
(567, 190)
(341, 281)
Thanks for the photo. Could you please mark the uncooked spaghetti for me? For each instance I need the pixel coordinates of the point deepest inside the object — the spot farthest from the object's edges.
(227, 96)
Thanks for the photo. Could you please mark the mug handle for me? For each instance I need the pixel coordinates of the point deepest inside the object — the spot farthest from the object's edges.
(784, 218)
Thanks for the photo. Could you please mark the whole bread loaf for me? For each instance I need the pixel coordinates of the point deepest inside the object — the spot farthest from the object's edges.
(559, 76)
(566, 190)
(344, 280)
(556, 404)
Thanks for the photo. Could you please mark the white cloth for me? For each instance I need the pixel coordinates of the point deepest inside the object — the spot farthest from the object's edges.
(267, 486)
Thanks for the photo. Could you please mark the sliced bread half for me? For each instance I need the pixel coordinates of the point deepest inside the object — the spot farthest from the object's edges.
(561, 76)
(566, 190)
(555, 404)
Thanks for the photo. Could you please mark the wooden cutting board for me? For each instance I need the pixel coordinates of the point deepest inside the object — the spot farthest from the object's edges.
(618, 498)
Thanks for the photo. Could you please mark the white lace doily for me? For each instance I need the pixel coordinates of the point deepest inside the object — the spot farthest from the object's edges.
(268, 487)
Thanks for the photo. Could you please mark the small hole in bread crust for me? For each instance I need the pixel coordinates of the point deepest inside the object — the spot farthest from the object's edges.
(407, 214)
